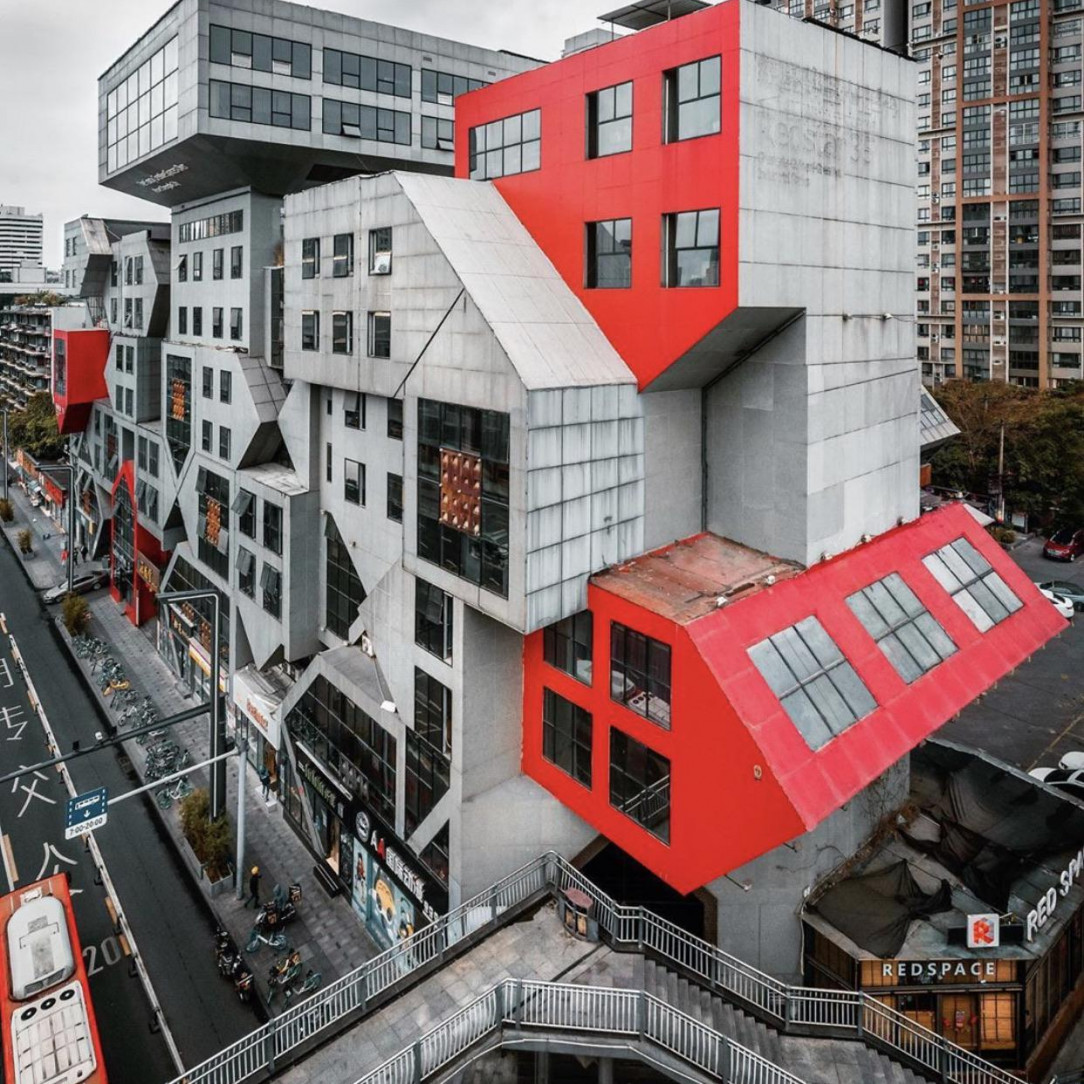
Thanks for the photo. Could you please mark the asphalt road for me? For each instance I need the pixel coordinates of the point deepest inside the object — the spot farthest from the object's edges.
(1036, 714)
(170, 920)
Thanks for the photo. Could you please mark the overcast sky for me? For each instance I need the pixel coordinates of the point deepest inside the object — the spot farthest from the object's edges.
(52, 52)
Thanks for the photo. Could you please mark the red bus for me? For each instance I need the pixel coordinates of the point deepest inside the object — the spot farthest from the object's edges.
(50, 1036)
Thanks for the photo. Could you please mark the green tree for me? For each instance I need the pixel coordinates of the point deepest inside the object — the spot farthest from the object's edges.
(75, 614)
(35, 430)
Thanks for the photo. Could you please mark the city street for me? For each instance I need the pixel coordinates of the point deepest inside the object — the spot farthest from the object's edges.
(170, 921)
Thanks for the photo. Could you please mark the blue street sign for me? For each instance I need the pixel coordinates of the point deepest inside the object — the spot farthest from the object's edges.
(85, 812)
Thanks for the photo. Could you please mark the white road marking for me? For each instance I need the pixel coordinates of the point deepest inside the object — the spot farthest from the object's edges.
(6, 680)
(31, 791)
(10, 871)
(10, 717)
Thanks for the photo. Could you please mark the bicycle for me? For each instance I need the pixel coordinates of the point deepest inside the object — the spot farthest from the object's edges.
(310, 983)
(274, 941)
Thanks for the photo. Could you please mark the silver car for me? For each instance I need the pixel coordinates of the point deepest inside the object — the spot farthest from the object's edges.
(1071, 592)
(84, 582)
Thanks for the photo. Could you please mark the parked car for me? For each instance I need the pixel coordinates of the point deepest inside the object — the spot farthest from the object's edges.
(1062, 605)
(1065, 544)
(84, 582)
(1071, 592)
(1065, 781)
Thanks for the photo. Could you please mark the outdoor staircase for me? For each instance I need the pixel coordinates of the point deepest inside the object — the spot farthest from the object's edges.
(815, 1061)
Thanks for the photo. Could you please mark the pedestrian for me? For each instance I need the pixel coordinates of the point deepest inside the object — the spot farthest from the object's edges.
(83, 553)
(64, 555)
(265, 779)
(254, 888)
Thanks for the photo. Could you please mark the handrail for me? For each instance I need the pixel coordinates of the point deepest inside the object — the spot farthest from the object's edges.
(850, 1014)
(528, 1005)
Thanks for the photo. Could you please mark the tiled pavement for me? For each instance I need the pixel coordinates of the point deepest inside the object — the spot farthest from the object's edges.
(327, 932)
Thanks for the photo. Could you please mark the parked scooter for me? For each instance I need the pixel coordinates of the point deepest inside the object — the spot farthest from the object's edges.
(231, 964)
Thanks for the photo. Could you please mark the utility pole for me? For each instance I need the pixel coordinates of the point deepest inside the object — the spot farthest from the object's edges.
(1001, 476)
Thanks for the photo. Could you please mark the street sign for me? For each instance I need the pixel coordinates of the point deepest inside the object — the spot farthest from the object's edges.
(85, 812)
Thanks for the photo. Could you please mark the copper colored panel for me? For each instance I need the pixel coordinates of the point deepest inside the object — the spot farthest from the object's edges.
(177, 398)
(214, 521)
(461, 491)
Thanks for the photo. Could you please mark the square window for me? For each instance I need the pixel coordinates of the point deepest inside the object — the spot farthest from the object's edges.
(691, 240)
(609, 121)
(640, 673)
(692, 100)
(567, 645)
(640, 783)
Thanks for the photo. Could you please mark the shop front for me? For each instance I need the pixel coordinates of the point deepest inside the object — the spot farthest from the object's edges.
(256, 700)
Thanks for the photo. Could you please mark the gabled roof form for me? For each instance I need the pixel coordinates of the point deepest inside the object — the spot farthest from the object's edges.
(549, 337)
(816, 783)
(935, 426)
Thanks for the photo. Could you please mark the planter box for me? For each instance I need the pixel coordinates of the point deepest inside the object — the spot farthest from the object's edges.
(212, 889)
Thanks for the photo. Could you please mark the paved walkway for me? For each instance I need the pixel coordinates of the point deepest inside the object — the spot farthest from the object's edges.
(328, 934)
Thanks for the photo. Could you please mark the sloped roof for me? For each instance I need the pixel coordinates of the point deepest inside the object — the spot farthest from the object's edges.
(935, 426)
(549, 337)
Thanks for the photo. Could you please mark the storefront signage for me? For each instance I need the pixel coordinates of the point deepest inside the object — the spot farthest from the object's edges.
(200, 657)
(261, 711)
(983, 931)
(1040, 914)
(148, 572)
(935, 971)
(322, 785)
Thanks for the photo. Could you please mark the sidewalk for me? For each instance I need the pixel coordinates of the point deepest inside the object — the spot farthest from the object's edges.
(328, 934)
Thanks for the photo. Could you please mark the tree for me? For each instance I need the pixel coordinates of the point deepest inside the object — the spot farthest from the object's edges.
(35, 430)
(75, 614)
(7, 511)
(47, 299)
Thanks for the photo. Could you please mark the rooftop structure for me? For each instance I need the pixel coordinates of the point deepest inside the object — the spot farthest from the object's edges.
(20, 239)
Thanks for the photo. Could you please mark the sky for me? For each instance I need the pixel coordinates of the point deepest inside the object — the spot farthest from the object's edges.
(52, 52)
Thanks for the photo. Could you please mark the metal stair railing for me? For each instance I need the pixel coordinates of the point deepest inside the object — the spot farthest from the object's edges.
(793, 1009)
(547, 1007)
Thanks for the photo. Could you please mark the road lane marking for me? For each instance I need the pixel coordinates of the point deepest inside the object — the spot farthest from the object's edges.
(31, 791)
(6, 680)
(10, 717)
(10, 870)
(49, 848)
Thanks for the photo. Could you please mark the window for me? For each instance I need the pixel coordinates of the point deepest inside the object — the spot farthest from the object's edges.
(310, 258)
(692, 248)
(342, 332)
(435, 855)
(236, 324)
(138, 268)
(503, 147)
(271, 589)
(182, 319)
(395, 419)
(366, 122)
(216, 323)
(329, 459)
(113, 310)
(438, 133)
(609, 121)
(472, 541)
(260, 52)
(609, 254)
(310, 330)
(433, 711)
(141, 110)
(245, 507)
(343, 255)
(442, 88)
(208, 382)
(427, 779)
(201, 229)
(197, 266)
(179, 407)
(640, 784)
(139, 314)
(567, 645)
(817, 686)
(380, 334)
(380, 251)
(355, 409)
(640, 673)
(433, 611)
(213, 531)
(977, 589)
(129, 402)
(225, 386)
(692, 100)
(218, 265)
(566, 736)
(206, 434)
(224, 440)
(395, 497)
(237, 261)
(272, 527)
(366, 73)
(260, 105)
(354, 481)
(344, 592)
(246, 572)
(905, 632)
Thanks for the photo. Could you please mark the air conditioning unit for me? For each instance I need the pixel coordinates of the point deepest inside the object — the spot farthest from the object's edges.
(935, 338)
(999, 342)
(935, 198)
(367, 645)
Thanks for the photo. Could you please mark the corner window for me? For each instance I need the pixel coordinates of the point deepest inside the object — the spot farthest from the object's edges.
(310, 258)
(310, 330)
(973, 584)
(567, 645)
(566, 736)
(691, 240)
(395, 498)
(609, 121)
(343, 255)
(380, 334)
(640, 673)
(609, 254)
(342, 332)
(353, 481)
(640, 784)
(433, 611)
(692, 100)
(507, 146)
(380, 251)
(817, 686)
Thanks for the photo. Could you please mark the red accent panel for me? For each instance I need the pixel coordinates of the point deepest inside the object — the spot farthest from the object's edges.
(86, 356)
(649, 325)
(727, 723)
(141, 604)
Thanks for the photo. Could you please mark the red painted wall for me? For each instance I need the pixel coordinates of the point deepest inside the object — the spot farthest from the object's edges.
(141, 604)
(87, 352)
(649, 325)
(726, 722)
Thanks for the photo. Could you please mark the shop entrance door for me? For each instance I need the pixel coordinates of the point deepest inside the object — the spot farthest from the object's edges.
(960, 1019)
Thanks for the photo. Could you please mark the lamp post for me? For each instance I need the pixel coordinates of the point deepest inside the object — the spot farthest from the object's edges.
(70, 471)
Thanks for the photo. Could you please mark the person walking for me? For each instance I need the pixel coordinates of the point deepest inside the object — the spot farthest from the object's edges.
(254, 888)
(265, 779)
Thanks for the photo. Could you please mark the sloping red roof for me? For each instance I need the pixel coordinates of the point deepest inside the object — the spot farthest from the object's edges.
(816, 783)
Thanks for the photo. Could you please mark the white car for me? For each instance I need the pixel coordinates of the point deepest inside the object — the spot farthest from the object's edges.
(1068, 782)
(1062, 605)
